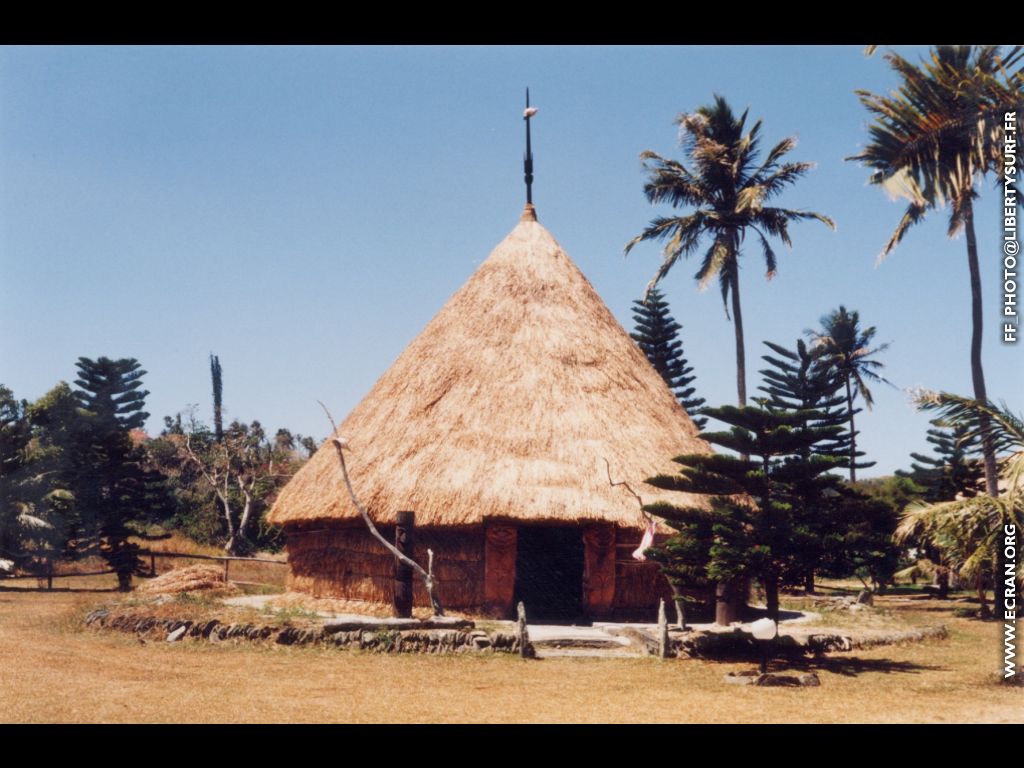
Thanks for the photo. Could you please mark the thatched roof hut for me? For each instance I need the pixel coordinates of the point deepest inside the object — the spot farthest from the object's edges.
(495, 424)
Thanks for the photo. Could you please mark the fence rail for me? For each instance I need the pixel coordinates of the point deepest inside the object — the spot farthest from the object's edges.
(50, 575)
(227, 560)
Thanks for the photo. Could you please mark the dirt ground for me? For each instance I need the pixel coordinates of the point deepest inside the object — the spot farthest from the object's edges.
(54, 670)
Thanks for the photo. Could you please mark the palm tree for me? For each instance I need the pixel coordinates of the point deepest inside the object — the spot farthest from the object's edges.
(932, 141)
(726, 189)
(969, 530)
(847, 350)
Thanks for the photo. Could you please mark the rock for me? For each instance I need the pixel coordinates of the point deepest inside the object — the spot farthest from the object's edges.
(747, 677)
(177, 634)
(865, 598)
(287, 636)
(368, 623)
(778, 680)
(858, 607)
(825, 643)
(754, 677)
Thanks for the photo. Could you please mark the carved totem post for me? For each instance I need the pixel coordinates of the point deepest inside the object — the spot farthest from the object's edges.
(499, 569)
(599, 570)
(404, 526)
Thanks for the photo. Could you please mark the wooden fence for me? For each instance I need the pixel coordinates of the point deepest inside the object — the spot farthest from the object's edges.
(50, 575)
(227, 560)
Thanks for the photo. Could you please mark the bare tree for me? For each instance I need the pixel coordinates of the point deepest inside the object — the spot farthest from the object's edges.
(340, 445)
(242, 469)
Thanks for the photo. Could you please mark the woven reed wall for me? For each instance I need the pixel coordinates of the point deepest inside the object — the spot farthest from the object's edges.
(347, 562)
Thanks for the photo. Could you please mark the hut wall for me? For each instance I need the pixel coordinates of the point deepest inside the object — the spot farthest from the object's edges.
(638, 584)
(347, 562)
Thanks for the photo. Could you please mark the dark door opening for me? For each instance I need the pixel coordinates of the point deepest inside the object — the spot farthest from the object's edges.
(549, 574)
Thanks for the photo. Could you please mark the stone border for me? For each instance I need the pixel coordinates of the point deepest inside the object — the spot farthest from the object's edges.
(374, 635)
(739, 644)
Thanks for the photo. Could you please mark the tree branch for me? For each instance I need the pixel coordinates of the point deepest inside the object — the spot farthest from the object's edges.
(427, 575)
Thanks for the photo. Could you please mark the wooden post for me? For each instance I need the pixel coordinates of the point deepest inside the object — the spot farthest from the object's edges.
(599, 570)
(663, 643)
(152, 564)
(49, 575)
(226, 564)
(500, 543)
(525, 649)
(405, 523)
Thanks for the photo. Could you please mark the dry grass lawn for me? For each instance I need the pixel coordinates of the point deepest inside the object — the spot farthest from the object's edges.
(53, 670)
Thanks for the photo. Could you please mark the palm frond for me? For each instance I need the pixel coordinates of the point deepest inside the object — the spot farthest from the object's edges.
(981, 420)
(940, 131)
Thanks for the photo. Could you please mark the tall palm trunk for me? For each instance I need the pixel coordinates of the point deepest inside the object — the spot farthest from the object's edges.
(977, 373)
(731, 598)
(737, 316)
(853, 432)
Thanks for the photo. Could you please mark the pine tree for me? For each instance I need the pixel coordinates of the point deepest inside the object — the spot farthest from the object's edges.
(15, 434)
(218, 393)
(111, 487)
(657, 334)
(799, 380)
(754, 533)
(950, 472)
(684, 558)
(941, 478)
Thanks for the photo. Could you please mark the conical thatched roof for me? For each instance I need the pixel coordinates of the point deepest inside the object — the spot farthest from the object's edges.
(506, 406)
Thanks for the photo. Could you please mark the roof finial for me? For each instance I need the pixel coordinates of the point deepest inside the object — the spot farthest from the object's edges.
(528, 157)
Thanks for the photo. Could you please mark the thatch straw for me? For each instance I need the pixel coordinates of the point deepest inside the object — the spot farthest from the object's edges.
(507, 406)
(193, 578)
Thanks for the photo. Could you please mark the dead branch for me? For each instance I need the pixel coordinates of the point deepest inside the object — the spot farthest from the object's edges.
(427, 575)
(649, 535)
(624, 484)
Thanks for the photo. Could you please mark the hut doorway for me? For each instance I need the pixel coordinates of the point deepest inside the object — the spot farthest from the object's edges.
(549, 573)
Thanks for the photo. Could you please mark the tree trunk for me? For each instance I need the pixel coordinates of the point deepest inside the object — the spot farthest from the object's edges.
(241, 534)
(809, 581)
(942, 582)
(729, 606)
(977, 373)
(231, 544)
(771, 596)
(680, 604)
(737, 318)
(728, 602)
(124, 581)
(853, 433)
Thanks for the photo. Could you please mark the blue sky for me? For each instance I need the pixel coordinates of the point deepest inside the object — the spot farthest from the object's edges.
(303, 212)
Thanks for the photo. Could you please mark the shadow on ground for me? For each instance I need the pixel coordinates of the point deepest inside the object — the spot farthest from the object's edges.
(82, 590)
(851, 666)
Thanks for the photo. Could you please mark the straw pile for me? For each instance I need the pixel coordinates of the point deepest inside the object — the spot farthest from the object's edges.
(507, 405)
(193, 578)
